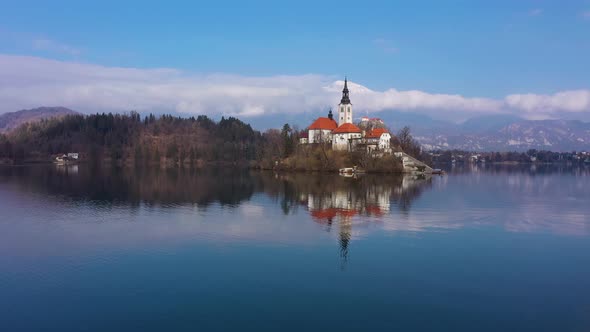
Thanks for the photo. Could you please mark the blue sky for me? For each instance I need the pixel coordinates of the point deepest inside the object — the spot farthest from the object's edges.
(474, 49)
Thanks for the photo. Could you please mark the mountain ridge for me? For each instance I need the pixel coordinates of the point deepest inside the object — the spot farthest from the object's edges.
(12, 120)
(521, 135)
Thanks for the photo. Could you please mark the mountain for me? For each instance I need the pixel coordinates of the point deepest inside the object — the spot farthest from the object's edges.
(504, 134)
(11, 120)
(487, 123)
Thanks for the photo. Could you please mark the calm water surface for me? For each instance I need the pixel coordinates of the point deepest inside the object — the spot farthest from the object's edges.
(481, 249)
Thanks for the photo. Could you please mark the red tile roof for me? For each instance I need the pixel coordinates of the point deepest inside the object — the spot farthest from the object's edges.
(330, 213)
(374, 210)
(347, 128)
(324, 124)
(324, 214)
(376, 133)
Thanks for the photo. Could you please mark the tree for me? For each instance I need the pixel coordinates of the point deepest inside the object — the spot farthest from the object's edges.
(407, 142)
(286, 136)
(192, 155)
(172, 151)
(157, 156)
(181, 157)
(138, 154)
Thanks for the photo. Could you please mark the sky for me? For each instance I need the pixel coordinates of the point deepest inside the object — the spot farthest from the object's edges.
(450, 60)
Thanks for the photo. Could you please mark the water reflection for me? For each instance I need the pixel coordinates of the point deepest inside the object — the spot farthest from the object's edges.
(129, 186)
(242, 204)
(366, 195)
(347, 201)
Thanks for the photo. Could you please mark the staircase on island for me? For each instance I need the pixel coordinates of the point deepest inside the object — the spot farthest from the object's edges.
(411, 164)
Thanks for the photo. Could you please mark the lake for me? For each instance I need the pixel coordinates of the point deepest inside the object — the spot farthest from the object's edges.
(483, 248)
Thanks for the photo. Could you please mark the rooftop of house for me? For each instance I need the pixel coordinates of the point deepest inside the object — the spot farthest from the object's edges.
(347, 128)
(324, 124)
(376, 133)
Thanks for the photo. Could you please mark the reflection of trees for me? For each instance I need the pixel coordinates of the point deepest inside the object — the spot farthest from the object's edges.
(133, 186)
(324, 195)
(410, 189)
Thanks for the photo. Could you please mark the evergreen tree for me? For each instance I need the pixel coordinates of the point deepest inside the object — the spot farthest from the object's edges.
(288, 145)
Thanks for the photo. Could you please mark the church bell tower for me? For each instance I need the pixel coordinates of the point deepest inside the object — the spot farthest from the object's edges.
(345, 107)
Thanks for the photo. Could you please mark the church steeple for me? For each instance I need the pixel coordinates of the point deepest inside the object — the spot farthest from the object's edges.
(345, 98)
(345, 106)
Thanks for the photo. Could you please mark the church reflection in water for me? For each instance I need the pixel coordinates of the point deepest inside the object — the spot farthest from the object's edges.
(342, 205)
(346, 203)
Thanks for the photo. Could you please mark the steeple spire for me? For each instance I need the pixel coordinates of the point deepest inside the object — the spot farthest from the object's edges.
(345, 98)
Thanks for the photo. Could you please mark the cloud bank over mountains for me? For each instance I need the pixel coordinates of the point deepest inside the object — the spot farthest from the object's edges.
(27, 82)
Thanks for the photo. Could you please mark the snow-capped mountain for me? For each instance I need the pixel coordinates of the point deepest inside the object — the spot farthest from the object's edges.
(519, 135)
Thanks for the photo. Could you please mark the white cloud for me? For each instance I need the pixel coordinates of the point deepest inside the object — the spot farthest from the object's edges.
(414, 100)
(567, 101)
(27, 82)
(50, 45)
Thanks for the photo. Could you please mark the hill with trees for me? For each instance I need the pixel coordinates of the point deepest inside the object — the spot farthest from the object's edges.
(129, 138)
(12, 120)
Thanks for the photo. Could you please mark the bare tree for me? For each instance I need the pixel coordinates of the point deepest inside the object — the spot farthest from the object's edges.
(407, 142)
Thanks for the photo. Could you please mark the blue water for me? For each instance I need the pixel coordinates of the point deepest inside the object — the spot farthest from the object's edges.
(480, 249)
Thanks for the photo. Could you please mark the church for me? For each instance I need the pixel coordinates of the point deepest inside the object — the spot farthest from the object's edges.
(343, 134)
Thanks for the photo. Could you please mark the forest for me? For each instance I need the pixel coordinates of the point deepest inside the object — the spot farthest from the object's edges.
(129, 138)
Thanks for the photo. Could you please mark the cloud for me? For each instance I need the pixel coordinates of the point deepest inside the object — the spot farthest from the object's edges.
(44, 44)
(567, 101)
(385, 45)
(586, 15)
(414, 100)
(27, 82)
(536, 12)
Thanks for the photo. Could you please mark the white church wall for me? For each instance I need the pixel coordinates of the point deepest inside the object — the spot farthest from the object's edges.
(319, 135)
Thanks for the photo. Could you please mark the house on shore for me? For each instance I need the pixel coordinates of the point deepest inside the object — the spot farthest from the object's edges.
(378, 139)
(67, 158)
